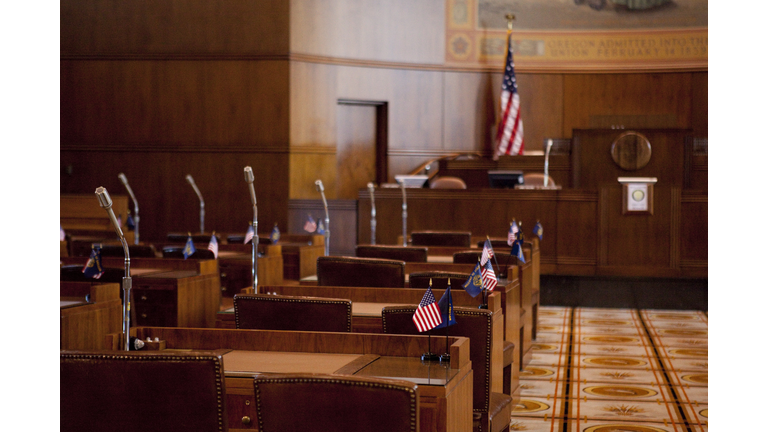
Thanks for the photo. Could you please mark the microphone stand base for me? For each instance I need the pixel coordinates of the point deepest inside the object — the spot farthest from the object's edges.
(430, 357)
(483, 306)
(445, 358)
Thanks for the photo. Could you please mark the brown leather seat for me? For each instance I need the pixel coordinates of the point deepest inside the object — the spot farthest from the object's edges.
(141, 391)
(362, 272)
(135, 251)
(491, 411)
(196, 238)
(467, 257)
(441, 238)
(401, 253)
(339, 403)
(178, 252)
(537, 179)
(447, 182)
(439, 279)
(277, 312)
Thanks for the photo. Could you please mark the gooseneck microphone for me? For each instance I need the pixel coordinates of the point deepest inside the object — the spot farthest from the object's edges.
(373, 214)
(191, 181)
(405, 215)
(321, 189)
(106, 203)
(124, 179)
(248, 172)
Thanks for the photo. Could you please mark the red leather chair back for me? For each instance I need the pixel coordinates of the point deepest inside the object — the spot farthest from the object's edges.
(467, 257)
(400, 253)
(141, 391)
(439, 279)
(441, 238)
(339, 403)
(277, 312)
(362, 272)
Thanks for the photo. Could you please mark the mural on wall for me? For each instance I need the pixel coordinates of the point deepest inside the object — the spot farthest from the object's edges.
(579, 34)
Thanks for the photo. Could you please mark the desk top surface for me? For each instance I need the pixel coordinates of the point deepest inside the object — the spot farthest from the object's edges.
(359, 309)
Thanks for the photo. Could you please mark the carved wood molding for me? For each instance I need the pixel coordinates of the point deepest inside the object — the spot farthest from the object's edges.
(174, 148)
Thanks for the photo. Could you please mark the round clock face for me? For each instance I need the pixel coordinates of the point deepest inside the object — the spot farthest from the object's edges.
(638, 195)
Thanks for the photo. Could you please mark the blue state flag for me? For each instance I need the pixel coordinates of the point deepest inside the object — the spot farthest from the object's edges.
(189, 248)
(275, 234)
(474, 285)
(93, 268)
(446, 308)
(538, 230)
(517, 251)
(320, 226)
(129, 222)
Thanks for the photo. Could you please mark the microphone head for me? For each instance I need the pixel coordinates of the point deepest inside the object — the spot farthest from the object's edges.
(103, 196)
(123, 178)
(190, 180)
(248, 174)
(370, 186)
(319, 186)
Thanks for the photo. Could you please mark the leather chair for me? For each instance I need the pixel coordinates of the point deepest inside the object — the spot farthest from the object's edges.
(135, 251)
(178, 252)
(491, 411)
(277, 312)
(401, 253)
(74, 273)
(339, 403)
(441, 238)
(141, 391)
(361, 272)
(467, 257)
(447, 182)
(439, 279)
(537, 179)
(196, 238)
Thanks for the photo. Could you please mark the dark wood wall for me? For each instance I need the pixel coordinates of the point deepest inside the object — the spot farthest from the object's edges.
(158, 89)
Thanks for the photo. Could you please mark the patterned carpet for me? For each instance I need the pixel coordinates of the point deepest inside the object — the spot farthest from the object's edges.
(606, 370)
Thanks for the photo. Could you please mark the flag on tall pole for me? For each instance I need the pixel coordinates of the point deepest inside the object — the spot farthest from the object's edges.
(427, 315)
(509, 136)
(213, 245)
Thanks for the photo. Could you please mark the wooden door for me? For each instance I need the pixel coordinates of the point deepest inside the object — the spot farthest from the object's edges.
(359, 142)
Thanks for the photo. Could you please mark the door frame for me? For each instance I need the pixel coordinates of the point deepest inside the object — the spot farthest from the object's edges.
(382, 143)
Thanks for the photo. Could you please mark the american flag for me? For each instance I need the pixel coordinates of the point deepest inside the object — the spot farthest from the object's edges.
(489, 276)
(62, 234)
(310, 225)
(213, 246)
(248, 234)
(487, 252)
(509, 136)
(512, 235)
(427, 315)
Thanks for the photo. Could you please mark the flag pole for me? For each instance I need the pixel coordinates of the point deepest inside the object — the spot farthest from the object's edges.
(485, 292)
(494, 254)
(446, 357)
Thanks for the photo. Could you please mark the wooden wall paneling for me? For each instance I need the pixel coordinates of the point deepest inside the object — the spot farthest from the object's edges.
(356, 151)
(592, 149)
(700, 103)
(471, 100)
(694, 212)
(541, 107)
(308, 165)
(653, 100)
(168, 203)
(343, 220)
(184, 27)
(174, 105)
(577, 214)
(393, 31)
(636, 244)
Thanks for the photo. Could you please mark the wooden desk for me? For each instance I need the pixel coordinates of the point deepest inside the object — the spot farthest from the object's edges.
(445, 400)
(83, 325)
(235, 267)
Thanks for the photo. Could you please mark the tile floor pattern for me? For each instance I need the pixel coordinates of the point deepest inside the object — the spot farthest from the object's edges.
(611, 370)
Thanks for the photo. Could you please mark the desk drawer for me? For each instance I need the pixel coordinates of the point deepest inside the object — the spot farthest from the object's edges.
(149, 315)
(154, 297)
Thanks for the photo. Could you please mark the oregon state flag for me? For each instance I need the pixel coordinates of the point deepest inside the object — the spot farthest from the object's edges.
(275, 234)
(446, 308)
(474, 285)
(538, 230)
(93, 268)
(189, 248)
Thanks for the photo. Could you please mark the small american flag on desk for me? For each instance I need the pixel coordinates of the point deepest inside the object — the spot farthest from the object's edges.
(427, 315)
(213, 246)
(512, 235)
(489, 276)
(310, 225)
(248, 235)
(487, 252)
